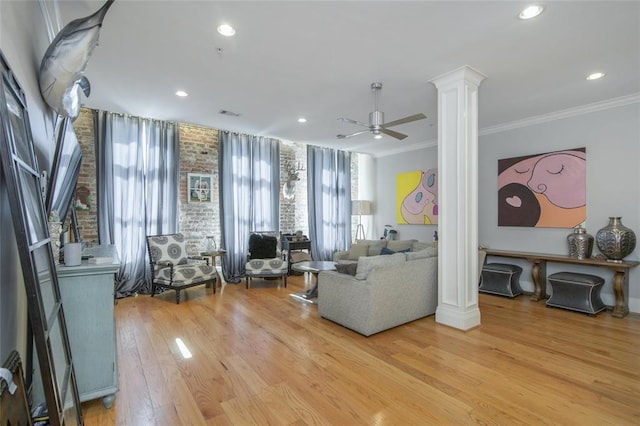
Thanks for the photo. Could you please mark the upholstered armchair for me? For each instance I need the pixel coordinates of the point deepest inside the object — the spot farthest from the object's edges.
(173, 269)
(263, 259)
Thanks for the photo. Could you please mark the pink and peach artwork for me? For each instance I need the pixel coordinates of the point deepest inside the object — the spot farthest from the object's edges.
(544, 190)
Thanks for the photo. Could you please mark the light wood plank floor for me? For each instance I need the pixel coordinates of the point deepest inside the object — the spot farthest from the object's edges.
(260, 357)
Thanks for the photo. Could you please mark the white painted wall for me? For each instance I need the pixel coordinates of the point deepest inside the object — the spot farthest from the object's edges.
(387, 169)
(612, 139)
(23, 41)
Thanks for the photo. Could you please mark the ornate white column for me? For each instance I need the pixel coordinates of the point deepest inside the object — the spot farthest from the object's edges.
(458, 198)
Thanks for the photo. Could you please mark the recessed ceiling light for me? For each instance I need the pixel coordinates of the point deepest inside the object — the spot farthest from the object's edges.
(226, 30)
(595, 76)
(182, 93)
(302, 120)
(531, 12)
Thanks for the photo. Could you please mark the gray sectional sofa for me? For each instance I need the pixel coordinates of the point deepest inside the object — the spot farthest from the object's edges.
(386, 291)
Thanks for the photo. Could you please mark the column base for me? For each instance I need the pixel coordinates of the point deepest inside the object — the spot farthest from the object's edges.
(462, 320)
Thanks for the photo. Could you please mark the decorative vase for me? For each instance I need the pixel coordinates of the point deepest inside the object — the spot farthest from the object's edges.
(580, 243)
(615, 240)
(209, 244)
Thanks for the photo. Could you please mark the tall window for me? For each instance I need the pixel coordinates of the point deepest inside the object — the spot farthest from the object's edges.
(249, 182)
(137, 173)
(329, 200)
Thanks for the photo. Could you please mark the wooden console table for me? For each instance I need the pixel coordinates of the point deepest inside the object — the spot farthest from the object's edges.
(539, 274)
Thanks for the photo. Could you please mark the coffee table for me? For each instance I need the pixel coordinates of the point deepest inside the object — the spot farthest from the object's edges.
(314, 267)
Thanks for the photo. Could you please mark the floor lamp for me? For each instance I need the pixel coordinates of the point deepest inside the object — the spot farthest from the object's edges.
(359, 208)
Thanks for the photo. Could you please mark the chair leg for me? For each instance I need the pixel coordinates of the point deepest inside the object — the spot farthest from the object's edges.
(247, 282)
(285, 281)
(153, 289)
(215, 284)
(177, 296)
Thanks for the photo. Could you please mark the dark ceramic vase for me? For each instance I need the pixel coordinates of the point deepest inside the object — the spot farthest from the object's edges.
(615, 240)
(580, 243)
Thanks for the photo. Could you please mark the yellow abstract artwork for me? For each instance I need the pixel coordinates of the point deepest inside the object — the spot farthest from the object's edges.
(417, 197)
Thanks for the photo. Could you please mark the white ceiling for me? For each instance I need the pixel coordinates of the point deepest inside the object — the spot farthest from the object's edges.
(318, 59)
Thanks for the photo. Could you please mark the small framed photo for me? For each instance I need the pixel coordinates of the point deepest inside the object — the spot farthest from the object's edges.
(199, 188)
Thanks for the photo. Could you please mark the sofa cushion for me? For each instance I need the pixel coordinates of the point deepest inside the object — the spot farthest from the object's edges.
(368, 264)
(397, 245)
(358, 250)
(386, 251)
(347, 268)
(423, 254)
(419, 245)
(374, 246)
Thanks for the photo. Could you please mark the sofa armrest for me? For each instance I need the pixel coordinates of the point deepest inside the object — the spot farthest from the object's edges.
(344, 299)
(340, 255)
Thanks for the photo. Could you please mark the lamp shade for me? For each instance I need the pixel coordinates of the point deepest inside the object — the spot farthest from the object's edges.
(360, 207)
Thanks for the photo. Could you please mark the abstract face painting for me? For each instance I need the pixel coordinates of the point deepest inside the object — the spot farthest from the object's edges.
(417, 197)
(545, 190)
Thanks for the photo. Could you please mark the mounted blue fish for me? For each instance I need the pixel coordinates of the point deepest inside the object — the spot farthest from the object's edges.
(61, 70)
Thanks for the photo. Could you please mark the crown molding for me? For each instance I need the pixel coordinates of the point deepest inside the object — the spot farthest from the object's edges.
(544, 118)
(562, 114)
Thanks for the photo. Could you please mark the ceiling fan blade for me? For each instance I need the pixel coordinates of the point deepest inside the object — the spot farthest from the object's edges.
(394, 134)
(352, 134)
(408, 119)
(348, 120)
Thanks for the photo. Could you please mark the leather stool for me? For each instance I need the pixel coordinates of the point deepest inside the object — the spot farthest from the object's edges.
(502, 279)
(576, 292)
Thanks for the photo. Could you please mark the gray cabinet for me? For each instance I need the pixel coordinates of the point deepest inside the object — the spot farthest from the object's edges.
(88, 301)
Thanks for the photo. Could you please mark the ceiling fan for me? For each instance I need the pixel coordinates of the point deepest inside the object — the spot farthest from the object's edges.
(376, 125)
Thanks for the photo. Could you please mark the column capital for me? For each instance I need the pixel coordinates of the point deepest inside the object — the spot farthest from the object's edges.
(464, 73)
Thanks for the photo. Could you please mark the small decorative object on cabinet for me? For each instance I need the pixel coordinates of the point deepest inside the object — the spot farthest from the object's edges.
(580, 243)
(615, 240)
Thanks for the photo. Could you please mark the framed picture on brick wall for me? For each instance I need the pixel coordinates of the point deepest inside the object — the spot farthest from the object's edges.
(199, 188)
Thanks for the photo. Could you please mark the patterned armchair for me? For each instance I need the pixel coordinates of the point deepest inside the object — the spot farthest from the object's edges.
(171, 268)
(264, 261)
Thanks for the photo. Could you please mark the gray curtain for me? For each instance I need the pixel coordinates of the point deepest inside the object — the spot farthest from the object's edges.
(249, 182)
(138, 176)
(329, 200)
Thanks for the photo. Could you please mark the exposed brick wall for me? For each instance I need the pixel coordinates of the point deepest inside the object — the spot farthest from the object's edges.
(87, 219)
(199, 154)
(293, 213)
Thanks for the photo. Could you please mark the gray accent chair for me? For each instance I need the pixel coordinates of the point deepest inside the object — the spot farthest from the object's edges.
(173, 269)
(263, 259)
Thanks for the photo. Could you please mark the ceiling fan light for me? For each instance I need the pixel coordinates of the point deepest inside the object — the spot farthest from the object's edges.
(378, 136)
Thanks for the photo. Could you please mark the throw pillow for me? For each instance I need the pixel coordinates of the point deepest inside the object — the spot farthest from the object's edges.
(386, 251)
(423, 254)
(358, 250)
(347, 268)
(374, 246)
(397, 245)
(368, 264)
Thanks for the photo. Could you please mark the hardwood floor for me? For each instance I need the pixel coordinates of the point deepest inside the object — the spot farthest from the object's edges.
(260, 357)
